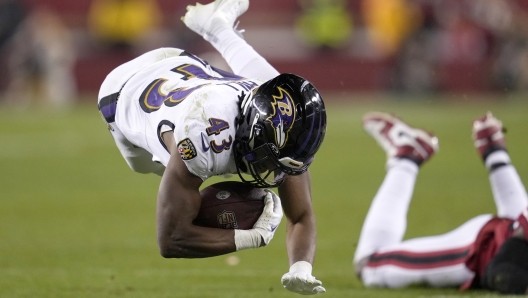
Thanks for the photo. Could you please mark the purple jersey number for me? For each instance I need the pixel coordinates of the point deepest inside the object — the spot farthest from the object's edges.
(152, 98)
(217, 125)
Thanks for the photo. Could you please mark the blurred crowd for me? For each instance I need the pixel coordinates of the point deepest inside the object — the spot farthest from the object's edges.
(418, 36)
(42, 49)
(453, 32)
(41, 45)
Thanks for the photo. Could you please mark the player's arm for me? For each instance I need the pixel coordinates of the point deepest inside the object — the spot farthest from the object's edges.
(296, 197)
(177, 205)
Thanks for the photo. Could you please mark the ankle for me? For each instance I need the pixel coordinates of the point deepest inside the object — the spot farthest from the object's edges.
(219, 29)
(406, 164)
(496, 159)
(491, 149)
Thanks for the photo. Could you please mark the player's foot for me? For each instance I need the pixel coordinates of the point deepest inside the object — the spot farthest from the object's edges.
(398, 139)
(210, 19)
(488, 134)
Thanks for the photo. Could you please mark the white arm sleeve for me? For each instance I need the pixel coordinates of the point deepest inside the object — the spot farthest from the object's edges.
(242, 58)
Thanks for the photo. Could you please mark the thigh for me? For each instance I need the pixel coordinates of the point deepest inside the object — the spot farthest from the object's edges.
(437, 261)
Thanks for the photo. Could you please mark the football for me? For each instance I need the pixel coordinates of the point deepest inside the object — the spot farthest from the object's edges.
(230, 205)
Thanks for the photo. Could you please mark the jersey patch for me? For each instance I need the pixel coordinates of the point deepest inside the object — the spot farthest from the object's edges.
(186, 149)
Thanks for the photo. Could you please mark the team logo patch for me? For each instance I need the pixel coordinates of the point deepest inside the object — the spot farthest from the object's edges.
(283, 117)
(186, 149)
(227, 220)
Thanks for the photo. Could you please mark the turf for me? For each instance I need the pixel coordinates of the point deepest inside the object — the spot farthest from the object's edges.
(76, 222)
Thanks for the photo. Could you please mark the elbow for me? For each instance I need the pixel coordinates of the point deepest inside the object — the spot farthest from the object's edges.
(171, 250)
(164, 249)
(167, 253)
(173, 246)
(306, 217)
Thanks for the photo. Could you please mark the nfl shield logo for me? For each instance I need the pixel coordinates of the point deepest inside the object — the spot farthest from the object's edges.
(227, 220)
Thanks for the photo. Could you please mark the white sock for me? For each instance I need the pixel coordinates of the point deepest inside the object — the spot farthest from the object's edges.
(508, 190)
(497, 157)
(386, 219)
(241, 57)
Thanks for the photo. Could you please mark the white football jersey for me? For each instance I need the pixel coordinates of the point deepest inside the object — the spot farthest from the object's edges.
(184, 94)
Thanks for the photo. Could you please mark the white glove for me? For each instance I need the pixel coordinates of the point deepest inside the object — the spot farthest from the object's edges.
(265, 227)
(300, 280)
(270, 218)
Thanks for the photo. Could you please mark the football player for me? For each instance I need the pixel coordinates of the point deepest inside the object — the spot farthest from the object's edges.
(173, 114)
(487, 251)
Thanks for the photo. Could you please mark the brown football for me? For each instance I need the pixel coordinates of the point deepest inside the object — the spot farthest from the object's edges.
(230, 205)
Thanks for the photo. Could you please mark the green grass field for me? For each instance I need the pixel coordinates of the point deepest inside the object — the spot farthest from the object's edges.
(75, 221)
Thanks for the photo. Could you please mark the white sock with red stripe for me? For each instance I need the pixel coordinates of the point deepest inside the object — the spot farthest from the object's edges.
(386, 219)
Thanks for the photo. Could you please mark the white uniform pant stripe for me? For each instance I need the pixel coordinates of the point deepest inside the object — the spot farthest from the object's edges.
(438, 274)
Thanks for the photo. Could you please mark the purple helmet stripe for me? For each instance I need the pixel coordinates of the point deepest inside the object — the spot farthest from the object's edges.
(318, 135)
(298, 151)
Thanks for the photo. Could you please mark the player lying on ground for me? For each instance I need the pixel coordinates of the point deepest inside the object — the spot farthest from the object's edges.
(485, 252)
(173, 114)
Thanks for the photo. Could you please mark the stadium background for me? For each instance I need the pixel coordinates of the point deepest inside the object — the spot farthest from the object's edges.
(76, 222)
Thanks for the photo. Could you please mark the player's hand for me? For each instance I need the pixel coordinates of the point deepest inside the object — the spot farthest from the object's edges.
(270, 218)
(300, 280)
